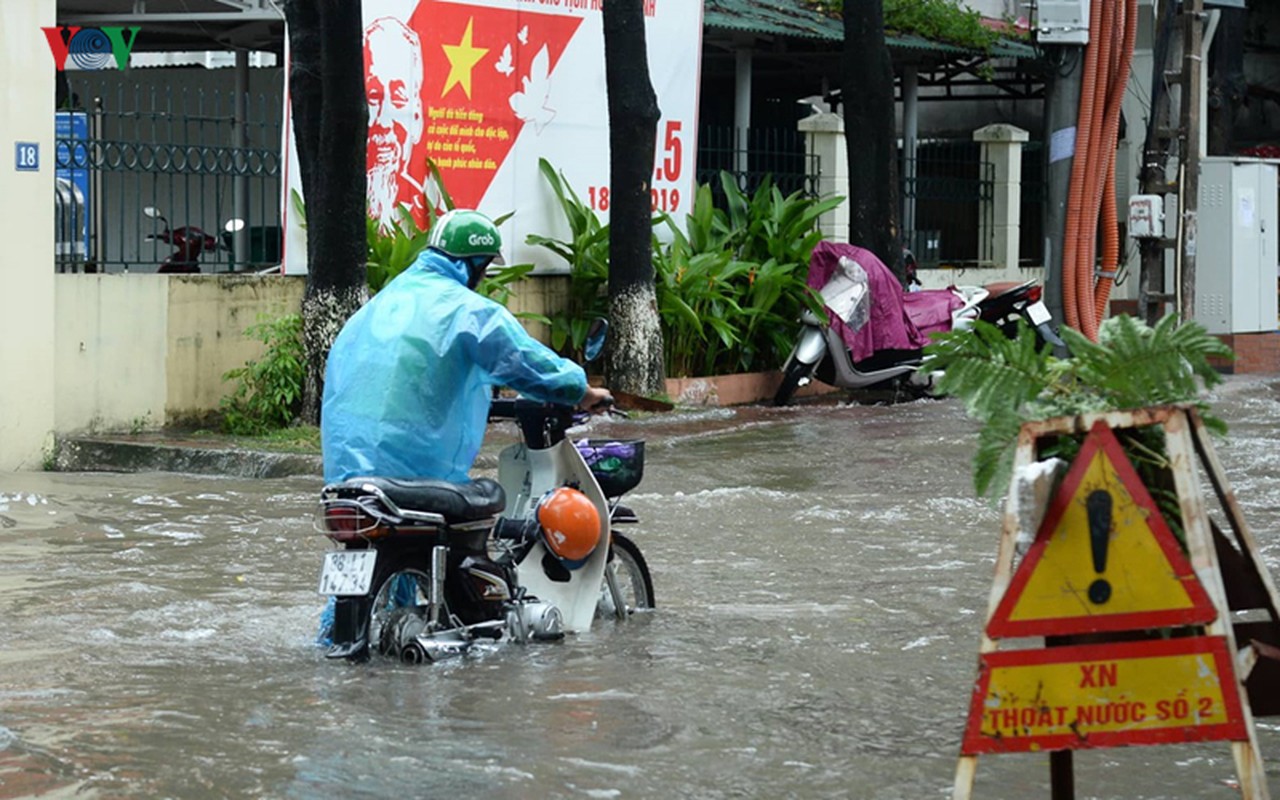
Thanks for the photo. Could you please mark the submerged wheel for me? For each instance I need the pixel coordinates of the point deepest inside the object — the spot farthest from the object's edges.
(794, 373)
(631, 575)
(401, 593)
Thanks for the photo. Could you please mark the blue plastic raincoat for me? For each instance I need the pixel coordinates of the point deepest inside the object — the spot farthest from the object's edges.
(410, 376)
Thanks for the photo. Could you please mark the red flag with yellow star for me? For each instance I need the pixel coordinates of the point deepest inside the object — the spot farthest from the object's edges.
(456, 84)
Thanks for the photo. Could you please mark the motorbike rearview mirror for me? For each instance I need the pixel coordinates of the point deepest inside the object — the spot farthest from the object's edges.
(596, 335)
(153, 212)
(234, 225)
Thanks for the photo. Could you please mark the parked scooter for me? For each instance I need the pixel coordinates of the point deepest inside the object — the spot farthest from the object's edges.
(876, 332)
(189, 242)
(428, 569)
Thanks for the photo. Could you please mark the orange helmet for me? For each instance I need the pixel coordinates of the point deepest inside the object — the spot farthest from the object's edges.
(570, 525)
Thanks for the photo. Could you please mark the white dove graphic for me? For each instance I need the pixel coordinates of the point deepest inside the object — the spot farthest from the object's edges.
(504, 64)
(530, 105)
(523, 35)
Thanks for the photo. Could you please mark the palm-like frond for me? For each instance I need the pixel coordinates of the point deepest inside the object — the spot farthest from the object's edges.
(1133, 365)
(1006, 382)
(993, 374)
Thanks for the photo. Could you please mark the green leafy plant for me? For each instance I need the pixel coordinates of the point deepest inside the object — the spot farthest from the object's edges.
(269, 390)
(697, 303)
(734, 279)
(730, 283)
(1007, 382)
(392, 251)
(586, 251)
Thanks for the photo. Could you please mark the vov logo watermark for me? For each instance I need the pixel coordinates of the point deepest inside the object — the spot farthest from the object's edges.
(90, 48)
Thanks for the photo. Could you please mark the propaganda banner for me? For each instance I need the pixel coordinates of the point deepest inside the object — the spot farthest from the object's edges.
(486, 88)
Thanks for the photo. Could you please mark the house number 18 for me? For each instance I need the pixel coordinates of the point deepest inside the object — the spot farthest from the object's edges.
(27, 156)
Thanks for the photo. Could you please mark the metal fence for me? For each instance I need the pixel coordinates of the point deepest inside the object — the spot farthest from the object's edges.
(775, 152)
(951, 190)
(193, 156)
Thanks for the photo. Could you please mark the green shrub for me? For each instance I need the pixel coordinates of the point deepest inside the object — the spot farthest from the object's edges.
(734, 278)
(730, 284)
(269, 390)
(587, 254)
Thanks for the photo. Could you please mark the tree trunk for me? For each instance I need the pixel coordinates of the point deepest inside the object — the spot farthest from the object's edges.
(870, 133)
(634, 356)
(326, 90)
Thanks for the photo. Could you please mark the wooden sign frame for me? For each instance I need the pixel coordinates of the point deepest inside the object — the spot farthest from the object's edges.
(1232, 574)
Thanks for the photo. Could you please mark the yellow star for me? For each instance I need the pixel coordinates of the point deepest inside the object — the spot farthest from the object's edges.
(462, 57)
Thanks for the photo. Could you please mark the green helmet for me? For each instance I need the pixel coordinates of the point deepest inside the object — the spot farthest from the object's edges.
(463, 234)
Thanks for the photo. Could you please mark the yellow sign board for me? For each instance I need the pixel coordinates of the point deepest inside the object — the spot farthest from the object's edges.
(1149, 692)
(1103, 559)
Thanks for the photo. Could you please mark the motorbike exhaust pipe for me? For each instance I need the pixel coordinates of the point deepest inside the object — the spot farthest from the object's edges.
(413, 653)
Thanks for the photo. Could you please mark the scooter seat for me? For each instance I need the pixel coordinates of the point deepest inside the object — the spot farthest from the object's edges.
(997, 288)
(456, 502)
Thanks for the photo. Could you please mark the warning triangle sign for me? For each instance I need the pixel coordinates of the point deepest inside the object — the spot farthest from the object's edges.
(1103, 559)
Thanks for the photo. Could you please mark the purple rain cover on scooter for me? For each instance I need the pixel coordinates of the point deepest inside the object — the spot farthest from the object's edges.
(889, 326)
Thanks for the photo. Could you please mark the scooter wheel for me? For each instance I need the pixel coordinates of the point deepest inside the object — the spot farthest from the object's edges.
(794, 374)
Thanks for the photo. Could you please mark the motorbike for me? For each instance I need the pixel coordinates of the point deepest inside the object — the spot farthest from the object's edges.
(189, 242)
(427, 570)
(875, 331)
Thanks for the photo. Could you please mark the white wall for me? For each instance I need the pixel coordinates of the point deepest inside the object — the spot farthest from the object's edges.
(26, 228)
(111, 351)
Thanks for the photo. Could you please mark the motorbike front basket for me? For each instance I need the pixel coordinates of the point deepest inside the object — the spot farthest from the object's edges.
(617, 464)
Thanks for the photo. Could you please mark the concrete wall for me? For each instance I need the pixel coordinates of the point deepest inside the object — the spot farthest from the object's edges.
(207, 319)
(140, 351)
(26, 228)
(136, 352)
(110, 352)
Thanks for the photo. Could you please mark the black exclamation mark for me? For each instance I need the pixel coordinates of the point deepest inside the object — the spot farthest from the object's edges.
(1098, 506)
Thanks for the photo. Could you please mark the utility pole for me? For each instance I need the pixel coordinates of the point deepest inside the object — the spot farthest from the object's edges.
(1062, 106)
(1189, 160)
(1154, 297)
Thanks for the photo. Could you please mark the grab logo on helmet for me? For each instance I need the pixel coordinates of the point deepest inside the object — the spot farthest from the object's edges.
(480, 238)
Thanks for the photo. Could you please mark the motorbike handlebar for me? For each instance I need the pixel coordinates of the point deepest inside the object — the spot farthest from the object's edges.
(544, 424)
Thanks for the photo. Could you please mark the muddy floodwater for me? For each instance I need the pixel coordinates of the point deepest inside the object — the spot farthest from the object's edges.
(821, 573)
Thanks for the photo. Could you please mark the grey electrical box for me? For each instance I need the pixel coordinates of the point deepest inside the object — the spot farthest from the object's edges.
(1062, 21)
(1236, 259)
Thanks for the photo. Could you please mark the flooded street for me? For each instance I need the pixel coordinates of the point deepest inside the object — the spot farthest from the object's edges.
(821, 574)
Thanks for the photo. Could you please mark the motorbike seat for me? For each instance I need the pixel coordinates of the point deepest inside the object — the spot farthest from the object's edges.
(456, 502)
(998, 288)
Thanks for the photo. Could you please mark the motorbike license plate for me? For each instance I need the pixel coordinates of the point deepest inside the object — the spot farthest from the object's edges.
(347, 572)
(1038, 313)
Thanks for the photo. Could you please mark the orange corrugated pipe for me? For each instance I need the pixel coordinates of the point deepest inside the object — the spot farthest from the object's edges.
(1094, 181)
(1111, 234)
(1075, 193)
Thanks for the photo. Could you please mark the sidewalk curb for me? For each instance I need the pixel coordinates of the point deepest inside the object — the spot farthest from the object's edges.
(121, 454)
(101, 454)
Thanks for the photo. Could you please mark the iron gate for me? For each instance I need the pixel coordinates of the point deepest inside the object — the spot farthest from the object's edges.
(198, 156)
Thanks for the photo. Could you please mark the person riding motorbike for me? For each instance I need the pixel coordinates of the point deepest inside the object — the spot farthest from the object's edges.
(411, 375)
